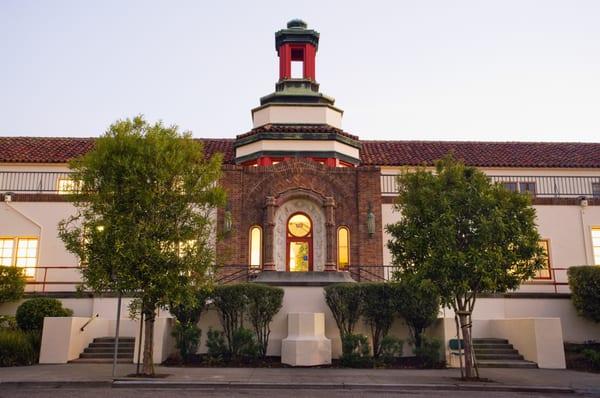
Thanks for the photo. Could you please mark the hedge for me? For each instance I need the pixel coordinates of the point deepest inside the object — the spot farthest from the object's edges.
(584, 282)
(30, 315)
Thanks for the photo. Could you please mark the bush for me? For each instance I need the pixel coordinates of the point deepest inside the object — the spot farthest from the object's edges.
(17, 348)
(30, 315)
(12, 284)
(584, 282)
(186, 332)
(428, 353)
(593, 357)
(231, 303)
(264, 302)
(244, 344)
(391, 348)
(345, 302)
(418, 302)
(378, 310)
(355, 351)
(215, 342)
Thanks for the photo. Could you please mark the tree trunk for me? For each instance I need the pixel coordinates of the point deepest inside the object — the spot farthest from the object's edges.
(466, 332)
(148, 361)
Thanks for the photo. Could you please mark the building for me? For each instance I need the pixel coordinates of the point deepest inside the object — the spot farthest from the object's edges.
(311, 201)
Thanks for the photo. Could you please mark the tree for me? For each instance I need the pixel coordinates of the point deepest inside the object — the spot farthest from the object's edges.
(584, 282)
(145, 201)
(465, 234)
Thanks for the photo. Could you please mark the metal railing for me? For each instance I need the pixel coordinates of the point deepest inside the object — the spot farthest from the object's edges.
(66, 278)
(35, 181)
(539, 186)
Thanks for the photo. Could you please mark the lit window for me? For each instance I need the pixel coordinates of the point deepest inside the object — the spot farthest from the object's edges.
(67, 186)
(299, 225)
(596, 244)
(6, 251)
(545, 272)
(255, 246)
(343, 248)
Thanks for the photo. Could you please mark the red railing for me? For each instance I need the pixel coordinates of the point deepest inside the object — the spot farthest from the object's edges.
(43, 279)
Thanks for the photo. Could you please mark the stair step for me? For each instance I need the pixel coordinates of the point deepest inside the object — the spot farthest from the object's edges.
(501, 357)
(121, 344)
(505, 364)
(490, 340)
(490, 345)
(108, 349)
(104, 355)
(112, 339)
(100, 360)
(486, 351)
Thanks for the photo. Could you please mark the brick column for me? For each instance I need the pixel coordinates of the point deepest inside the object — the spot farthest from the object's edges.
(330, 264)
(269, 228)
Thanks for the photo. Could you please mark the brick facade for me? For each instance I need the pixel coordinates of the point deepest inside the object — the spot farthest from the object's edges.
(345, 194)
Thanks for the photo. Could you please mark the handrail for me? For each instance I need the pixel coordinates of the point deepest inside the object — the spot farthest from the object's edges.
(89, 321)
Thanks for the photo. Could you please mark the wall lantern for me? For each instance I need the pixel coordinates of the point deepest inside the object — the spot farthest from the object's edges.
(370, 221)
(227, 222)
(583, 202)
(8, 197)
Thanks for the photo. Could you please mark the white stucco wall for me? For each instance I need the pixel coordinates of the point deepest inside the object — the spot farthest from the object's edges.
(297, 145)
(306, 114)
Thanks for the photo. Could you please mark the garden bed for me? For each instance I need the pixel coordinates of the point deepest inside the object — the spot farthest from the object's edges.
(576, 359)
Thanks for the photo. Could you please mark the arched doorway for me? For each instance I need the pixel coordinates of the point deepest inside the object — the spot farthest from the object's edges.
(299, 239)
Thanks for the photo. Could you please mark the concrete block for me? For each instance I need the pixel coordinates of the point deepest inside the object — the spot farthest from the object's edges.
(306, 344)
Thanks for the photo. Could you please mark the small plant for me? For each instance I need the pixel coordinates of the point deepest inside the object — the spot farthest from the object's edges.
(8, 322)
(244, 344)
(593, 357)
(30, 315)
(355, 351)
(391, 348)
(215, 342)
(428, 353)
(584, 282)
(17, 348)
(12, 284)
(187, 337)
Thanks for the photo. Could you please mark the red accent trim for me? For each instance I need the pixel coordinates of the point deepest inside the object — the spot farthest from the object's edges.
(306, 53)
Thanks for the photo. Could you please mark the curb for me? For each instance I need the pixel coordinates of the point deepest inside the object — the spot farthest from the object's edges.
(127, 383)
(57, 384)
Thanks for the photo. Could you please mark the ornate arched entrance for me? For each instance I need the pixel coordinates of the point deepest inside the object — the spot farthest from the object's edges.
(299, 243)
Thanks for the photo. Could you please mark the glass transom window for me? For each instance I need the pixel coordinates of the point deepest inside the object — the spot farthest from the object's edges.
(299, 225)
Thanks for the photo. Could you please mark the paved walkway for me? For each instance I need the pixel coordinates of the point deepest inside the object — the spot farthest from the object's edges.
(500, 379)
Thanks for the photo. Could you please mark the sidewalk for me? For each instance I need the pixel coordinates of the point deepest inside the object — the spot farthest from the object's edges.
(99, 375)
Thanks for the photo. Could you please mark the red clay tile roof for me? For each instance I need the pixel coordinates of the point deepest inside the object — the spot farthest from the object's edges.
(297, 128)
(382, 153)
(483, 154)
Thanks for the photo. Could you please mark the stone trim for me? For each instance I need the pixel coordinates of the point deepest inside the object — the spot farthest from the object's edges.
(312, 136)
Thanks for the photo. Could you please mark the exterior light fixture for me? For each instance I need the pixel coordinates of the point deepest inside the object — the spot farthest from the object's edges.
(8, 197)
(583, 202)
(227, 222)
(370, 221)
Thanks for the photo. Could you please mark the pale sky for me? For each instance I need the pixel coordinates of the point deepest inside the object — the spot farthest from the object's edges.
(504, 70)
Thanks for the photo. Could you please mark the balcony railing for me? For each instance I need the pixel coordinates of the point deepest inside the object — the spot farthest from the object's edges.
(539, 186)
(35, 182)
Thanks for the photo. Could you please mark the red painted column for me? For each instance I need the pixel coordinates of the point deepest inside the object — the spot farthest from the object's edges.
(285, 61)
(309, 61)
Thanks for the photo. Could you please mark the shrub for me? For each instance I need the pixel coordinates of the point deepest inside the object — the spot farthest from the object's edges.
(345, 302)
(584, 282)
(16, 348)
(378, 309)
(391, 348)
(30, 315)
(355, 351)
(12, 284)
(244, 344)
(428, 353)
(263, 303)
(186, 332)
(593, 357)
(8, 322)
(215, 342)
(418, 302)
(231, 303)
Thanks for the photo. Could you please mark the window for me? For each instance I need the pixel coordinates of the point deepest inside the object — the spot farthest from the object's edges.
(544, 273)
(510, 186)
(255, 246)
(343, 248)
(522, 187)
(19, 252)
(596, 244)
(596, 189)
(67, 186)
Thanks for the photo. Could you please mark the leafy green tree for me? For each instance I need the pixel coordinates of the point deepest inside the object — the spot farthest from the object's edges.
(12, 284)
(465, 234)
(143, 221)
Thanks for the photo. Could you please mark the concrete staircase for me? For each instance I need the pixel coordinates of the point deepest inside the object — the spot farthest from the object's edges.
(499, 353)
(101, 350)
